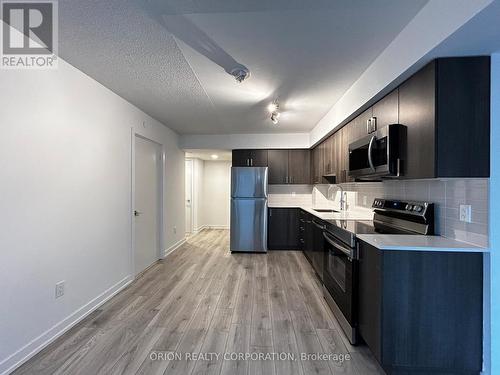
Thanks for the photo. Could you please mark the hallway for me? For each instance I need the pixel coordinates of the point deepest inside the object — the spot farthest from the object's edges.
(202, 299)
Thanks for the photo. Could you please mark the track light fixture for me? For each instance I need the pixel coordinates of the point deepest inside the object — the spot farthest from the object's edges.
(275, 116)
(274, 109)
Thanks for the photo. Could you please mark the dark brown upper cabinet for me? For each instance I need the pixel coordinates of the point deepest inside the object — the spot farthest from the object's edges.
(359, 125)
(299, 166)
(446, 109)
(278, 166)
(289, 167)
(249, 158)
(386, 110)
(316, 165)
(329, 159)
(345, 137)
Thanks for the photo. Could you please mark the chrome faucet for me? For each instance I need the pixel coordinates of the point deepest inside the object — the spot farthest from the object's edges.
(343, 200)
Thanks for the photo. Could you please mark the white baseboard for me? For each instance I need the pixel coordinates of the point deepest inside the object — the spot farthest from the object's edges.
(174, 247)
(17, 358)
(208, 226)
(217, 226)
(199, 229)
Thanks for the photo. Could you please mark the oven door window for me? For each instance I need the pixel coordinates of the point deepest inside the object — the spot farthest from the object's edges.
(337, 268)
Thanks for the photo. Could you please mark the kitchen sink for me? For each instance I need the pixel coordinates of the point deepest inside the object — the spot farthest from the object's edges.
(324, 210)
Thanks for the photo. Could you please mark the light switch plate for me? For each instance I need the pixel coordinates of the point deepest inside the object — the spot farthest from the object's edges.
(466, 213)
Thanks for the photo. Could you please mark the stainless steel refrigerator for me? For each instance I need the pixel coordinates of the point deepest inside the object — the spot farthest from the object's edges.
(248, 209)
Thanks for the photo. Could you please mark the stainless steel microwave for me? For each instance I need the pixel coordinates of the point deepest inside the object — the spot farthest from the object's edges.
(379, 155)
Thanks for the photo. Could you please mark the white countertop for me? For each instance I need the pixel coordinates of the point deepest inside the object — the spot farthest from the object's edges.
(418, 243)
(356, 214)
(404, 242)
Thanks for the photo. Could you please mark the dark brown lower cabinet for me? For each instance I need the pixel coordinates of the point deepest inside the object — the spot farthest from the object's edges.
(303, 231)
(422, 312)
(283, 229)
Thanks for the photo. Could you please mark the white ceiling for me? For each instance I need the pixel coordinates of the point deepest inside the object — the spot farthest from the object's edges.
(170, 58)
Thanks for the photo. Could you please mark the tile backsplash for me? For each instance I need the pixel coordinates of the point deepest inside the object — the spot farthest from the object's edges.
(446, 194)
(290, 195)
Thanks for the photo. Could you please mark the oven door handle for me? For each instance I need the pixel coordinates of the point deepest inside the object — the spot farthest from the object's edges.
(322, 227)
(370, 149)
(347, 251)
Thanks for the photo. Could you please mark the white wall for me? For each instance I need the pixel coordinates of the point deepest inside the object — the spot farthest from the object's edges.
(211, 194)
(245, 141)
(65, 193)
(198, 176)
(216, 194)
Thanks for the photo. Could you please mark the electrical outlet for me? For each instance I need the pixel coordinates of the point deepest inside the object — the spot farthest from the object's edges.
(60, 289)
(175, 229)
(365, 200)
(466, 213)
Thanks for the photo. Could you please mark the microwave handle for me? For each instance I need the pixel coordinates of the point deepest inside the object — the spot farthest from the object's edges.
(370, 149)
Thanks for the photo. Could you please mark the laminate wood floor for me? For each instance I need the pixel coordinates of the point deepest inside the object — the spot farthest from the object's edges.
(203, 299)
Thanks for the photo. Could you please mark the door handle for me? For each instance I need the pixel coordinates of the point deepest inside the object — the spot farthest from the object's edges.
(370, 149)
(137, 213)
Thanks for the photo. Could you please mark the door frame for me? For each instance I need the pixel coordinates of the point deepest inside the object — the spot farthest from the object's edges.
(192, 196)
(161, 212)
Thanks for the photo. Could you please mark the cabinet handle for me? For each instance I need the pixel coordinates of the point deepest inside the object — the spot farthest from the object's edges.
(251, 162)
(248, 162)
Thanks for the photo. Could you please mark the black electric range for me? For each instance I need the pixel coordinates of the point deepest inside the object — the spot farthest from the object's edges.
(390, 217)
(340, 270)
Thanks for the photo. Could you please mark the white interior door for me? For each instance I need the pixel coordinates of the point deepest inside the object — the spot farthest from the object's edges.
(189, 196)
(147, 203)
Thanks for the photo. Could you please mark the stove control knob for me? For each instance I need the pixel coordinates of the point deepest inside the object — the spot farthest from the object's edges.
(409, 207)
(417, 208)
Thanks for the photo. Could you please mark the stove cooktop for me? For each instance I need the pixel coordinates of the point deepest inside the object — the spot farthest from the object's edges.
(367, 227)
(390, 217)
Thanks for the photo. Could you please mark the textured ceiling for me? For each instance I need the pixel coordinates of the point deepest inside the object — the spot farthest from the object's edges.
(171, 58)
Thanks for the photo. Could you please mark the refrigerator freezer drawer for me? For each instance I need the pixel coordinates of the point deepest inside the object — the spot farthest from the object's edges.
(248, 225)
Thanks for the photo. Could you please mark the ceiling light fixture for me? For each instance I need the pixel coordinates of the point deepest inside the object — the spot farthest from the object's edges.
(275, 116)
(214, 156)
(240, 74)
(274, 109)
